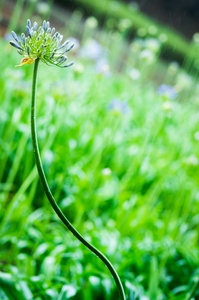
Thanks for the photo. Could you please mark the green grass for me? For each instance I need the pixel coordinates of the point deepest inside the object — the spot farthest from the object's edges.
(128, 182)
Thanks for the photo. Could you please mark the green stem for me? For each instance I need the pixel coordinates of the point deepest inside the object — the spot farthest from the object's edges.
(50, 196)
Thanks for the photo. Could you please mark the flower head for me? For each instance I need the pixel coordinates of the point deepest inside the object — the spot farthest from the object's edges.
(43, 43)
(92, 50)
(167, 92)
(118, 107)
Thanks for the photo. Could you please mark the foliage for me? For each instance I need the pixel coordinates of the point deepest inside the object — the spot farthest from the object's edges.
(122, 160)
(128, 20)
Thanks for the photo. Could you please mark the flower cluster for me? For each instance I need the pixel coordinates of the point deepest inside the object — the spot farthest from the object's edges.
(43, 43)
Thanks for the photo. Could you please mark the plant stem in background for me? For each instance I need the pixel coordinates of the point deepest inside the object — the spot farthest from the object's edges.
(16, 14)
(49, 194)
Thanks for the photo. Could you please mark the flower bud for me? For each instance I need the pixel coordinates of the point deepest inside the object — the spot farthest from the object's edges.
(29, 23)
(28, 31)
(34, 27)
(16, 45)
(15, 36)
(23, 39)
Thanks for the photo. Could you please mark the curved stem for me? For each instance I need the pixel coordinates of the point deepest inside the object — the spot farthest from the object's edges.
(50, 196)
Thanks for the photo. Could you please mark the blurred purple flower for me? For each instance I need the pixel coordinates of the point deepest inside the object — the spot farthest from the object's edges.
(167, 91)
(118, 106)
(92, 50)
(102, 67)
(8, 37)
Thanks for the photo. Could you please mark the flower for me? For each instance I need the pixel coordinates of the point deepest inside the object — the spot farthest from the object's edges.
(102, 67)
(92, 50)
(192, 160)
(43, 43)
(106, 171)
(173, 68)
(167, 92)
(153, 45)
(91, 22)
(147, 56)
(196, 136)
(184, 81)
(134, 74)
(118, 107)
(167, 106)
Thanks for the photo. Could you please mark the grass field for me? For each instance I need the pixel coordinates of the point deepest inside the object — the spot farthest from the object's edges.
(119, 137)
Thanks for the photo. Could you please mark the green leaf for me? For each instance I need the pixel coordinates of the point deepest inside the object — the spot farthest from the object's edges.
(8, 285)
(67, 292)
(153, 284)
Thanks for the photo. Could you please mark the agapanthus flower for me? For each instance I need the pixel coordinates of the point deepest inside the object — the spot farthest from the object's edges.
(43, 43)
(92, 50)
(118, 107)
(167, 92)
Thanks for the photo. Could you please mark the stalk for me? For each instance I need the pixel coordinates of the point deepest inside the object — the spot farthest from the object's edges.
(49, 195)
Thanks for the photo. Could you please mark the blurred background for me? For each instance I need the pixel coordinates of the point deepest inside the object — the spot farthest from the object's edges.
(179, 14)
(119, 138)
